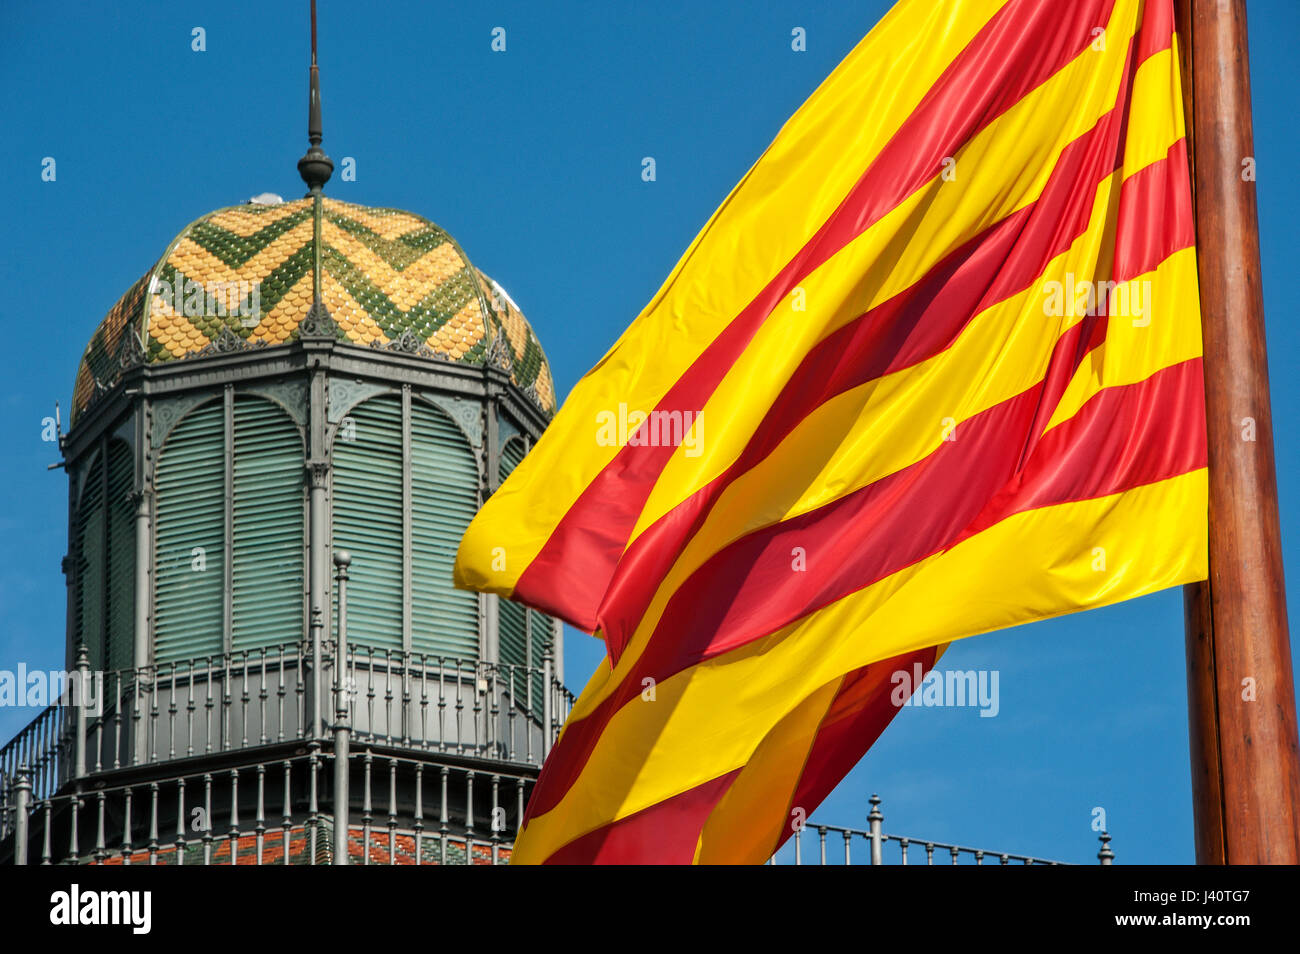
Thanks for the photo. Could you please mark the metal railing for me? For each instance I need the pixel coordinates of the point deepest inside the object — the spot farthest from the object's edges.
(277, 812)
(835, 844)
(259, 709)
(255, 697)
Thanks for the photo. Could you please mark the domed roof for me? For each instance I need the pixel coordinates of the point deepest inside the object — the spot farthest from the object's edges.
(242, 277)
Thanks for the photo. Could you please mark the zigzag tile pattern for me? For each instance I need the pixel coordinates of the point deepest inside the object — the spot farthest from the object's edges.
(387, 277)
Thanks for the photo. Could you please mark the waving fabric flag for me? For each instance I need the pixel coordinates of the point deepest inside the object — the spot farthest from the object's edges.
(932, 369)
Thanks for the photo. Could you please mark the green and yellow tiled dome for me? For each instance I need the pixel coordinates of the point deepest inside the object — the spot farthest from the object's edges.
(388, 278)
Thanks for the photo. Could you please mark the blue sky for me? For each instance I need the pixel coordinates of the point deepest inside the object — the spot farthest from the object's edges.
(532, 159)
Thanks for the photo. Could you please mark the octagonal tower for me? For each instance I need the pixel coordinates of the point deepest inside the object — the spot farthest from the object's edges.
(226, 438)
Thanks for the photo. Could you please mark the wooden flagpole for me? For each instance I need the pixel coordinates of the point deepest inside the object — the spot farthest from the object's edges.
(1241, 703)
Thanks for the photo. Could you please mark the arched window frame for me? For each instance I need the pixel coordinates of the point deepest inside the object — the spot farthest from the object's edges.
(193, 403)
(408, 398)
(106, 481)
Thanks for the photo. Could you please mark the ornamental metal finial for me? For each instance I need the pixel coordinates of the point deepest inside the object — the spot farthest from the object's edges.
(315, 167)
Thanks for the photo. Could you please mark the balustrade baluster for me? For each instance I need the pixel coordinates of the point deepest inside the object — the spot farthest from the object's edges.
(244, 698)
(262, 696)
(460, 710)
(442, 821)
(494, 714)
(366, 816)
(45, 840)
(419, 813)
(514, 712)
(388, 696)
(476, 744)
(286, 816)
(392, 811)
(190, 710)
(172, 710)
(259, 823)
(234, 803)
(126, 827)
(74, 839)
(180, 821)
(207, 818)
(153, 823)
(469, 817)
(117, 721)
(313, 809)
(442, 705)
(424, 701)
(150, 739)
(406, 699)
(101, 845)
(300, 690)
(370, 698)
(498, 819)
(208, 706)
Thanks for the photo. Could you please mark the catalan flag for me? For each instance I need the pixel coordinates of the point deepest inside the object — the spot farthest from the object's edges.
(932, 369)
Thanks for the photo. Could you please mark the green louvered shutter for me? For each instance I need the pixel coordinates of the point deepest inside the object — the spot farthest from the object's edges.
(267, 572)
(444, 498)
(512, 454)
(120, 603)
(510, 633)
(189, 537)
(368, 519)
(511, 638)
(91, 529)
(513, 633)
(541, 638)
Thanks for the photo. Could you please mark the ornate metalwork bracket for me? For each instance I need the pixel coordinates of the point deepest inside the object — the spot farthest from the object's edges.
(168, 410)
(408, 342)
(468, 415)
(345, 395)
(318, 323)
(499, 354)
(226, 342)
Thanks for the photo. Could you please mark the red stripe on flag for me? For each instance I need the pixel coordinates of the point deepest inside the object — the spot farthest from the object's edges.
(1155, 220)
(1157, 28)
(665, 833)
(1155, 215)
(1124, 437)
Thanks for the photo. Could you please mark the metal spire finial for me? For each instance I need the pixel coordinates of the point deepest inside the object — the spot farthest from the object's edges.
(315, 167)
